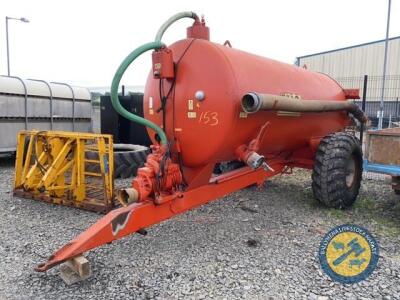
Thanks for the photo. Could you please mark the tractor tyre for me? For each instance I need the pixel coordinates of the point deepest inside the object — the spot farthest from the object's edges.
(128, 159)
(337, 172)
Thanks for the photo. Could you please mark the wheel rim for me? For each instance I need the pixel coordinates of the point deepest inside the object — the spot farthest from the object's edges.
(350, 172)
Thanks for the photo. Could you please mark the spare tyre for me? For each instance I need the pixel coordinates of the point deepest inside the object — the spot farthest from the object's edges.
(127, 159)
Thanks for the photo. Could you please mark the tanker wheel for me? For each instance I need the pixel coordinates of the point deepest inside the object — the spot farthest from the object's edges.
(337, 172)
(127, 159)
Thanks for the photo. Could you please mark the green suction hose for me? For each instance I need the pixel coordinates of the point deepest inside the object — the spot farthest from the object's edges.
(115, 84)
(157, 44)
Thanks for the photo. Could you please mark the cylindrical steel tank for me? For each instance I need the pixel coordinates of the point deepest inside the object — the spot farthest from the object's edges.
(210, 130)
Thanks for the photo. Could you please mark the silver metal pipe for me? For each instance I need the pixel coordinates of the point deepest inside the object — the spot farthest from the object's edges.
(380, 123)
(128, 195)
(50, 98)
(73, 100)
(25, 20)
(254, 102)
(25, 97)
(8, 49)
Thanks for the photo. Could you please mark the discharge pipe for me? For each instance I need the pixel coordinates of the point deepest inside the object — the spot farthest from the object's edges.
(254, 102)
(157, 44)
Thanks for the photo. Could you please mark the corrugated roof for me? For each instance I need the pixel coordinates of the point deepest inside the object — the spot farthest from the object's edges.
(17, 86)
(345, 48)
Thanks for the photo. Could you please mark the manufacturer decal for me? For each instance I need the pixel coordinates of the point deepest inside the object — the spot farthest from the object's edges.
(291, 95)
(282, 113)
(119, 222)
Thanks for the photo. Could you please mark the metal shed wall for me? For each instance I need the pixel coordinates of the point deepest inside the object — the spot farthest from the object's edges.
(37, 104)
(356, 60)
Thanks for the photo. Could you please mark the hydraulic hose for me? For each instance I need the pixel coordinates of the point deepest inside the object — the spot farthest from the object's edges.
(157, 44)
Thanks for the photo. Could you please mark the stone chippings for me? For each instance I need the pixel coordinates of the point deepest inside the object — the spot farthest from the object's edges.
(251, 244)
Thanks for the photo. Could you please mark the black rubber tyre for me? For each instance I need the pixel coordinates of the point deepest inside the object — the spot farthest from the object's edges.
(337, 173)
(127, 159)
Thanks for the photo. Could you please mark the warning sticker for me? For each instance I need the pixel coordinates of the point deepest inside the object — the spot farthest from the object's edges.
(190, 104)
(192, 114)
(242, 115)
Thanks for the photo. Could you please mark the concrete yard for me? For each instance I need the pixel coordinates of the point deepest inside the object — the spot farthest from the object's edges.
(252, 244)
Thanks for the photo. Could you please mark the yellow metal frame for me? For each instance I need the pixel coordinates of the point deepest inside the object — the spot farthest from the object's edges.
(51, 166)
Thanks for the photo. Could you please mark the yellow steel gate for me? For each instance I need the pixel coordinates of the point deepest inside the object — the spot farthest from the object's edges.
(54, 166)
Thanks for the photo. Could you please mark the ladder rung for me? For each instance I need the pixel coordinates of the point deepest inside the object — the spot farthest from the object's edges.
(95, 161)
(96, 150)
(58, 187)
(93, 174)
(95, 187)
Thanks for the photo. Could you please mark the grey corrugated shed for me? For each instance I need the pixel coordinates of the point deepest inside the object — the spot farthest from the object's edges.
(355, 60)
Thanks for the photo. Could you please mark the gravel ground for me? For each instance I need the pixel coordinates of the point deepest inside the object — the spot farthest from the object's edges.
(252, 244)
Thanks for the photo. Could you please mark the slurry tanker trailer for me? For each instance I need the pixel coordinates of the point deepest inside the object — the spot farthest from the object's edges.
(220, 120)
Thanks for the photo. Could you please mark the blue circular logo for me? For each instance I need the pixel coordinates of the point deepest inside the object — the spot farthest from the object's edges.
(348, 253)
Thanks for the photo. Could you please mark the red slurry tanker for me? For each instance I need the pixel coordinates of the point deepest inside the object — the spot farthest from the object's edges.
(220, 120)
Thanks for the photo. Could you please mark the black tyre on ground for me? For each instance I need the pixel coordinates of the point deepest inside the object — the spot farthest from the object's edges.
(337, 173)
(127, 159)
